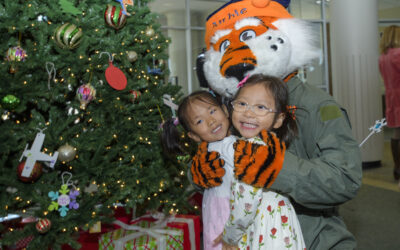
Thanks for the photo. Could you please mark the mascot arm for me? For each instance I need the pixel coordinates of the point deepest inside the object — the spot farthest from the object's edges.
(207, 167)
(259, 165)
(330, 172)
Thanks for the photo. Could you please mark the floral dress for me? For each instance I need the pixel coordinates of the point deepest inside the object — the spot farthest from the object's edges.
(261, 219)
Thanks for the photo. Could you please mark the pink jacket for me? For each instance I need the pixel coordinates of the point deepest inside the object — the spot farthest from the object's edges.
(389, 66)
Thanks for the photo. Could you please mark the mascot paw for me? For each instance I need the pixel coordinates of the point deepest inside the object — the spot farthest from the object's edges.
(259, 165)
(207, 167)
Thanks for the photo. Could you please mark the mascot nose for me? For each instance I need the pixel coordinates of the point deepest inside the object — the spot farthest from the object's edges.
(238, 71)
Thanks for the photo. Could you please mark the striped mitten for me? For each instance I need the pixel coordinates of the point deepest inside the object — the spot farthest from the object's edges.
(259, 165)
(207, 167)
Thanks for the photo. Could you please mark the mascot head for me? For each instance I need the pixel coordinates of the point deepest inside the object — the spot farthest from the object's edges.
(246, 37)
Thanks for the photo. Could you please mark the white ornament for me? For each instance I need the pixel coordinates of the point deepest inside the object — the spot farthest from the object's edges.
(379, 124)
(92, 188)
(73, 111)
(168, 101)
(34, 155)
(42, 18)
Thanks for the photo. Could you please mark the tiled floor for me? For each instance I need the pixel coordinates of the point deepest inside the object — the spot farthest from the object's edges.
(383, 176)
(374, 215)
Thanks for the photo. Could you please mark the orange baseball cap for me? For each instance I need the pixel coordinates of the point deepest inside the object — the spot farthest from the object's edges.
(235, 10)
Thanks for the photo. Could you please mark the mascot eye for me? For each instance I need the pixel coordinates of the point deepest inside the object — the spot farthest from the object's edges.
(247, 35)
(224, 45)
(280, 40)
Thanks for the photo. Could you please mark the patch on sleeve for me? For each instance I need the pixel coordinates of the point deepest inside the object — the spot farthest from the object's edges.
(330, 112)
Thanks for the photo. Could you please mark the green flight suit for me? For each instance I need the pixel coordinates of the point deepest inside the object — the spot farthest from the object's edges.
(322, 167)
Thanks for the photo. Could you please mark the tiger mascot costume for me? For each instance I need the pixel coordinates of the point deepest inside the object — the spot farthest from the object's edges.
(246, 37)
(322, 167)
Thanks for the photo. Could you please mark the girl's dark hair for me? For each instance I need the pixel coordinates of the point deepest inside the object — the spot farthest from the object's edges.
(171, 137)
(288, 131)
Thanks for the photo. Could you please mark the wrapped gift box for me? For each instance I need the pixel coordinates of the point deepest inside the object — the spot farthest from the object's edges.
(196, 200)
(23, 243)
(16, 222)
(141, 238)
(177, 232)
(195, 226)
(89, 240)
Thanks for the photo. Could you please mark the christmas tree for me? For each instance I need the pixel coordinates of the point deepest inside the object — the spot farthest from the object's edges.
(82, 102)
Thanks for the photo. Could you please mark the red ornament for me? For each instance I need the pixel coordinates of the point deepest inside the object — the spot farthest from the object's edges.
(114, 17)
(135, 94)
(43, 226)
(115, 77)
(35, 174)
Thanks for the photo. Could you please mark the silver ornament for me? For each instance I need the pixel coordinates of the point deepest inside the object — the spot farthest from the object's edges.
(149, 31)
(66, 153)
(5, 116)
(132, 56)
(72, 111)
(42, 18)
(92, 188)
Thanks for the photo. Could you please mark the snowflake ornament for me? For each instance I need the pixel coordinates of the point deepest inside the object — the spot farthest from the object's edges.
(379, 124)
(64, 199)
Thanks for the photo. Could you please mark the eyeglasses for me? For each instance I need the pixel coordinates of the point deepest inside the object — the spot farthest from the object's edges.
(258, 109)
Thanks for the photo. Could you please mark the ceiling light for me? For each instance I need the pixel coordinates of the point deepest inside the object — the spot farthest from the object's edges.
(319, 1)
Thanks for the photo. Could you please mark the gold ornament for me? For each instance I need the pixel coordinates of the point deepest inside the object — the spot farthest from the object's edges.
(66, 153)
(13, 69)
(149, 31)
(68, 36)
(132, 56)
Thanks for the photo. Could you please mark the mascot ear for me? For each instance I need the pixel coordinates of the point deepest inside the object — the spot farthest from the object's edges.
(201, 58)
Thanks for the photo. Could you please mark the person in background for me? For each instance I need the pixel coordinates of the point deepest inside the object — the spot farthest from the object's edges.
(389, 66)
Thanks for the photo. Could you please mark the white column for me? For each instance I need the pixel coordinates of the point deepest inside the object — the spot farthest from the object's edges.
(188, 36)
(177, 48)
(355, 40)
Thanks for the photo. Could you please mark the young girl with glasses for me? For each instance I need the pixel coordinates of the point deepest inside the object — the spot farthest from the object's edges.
(237, 215)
